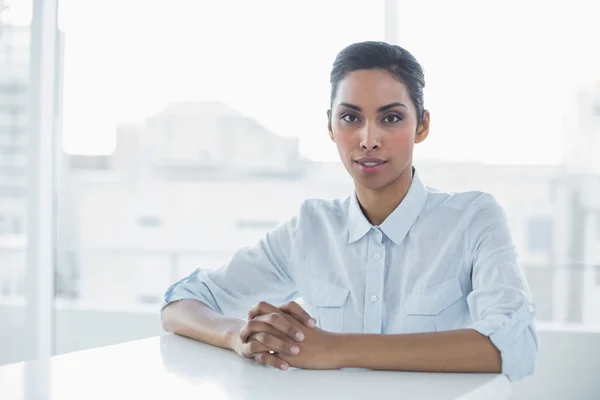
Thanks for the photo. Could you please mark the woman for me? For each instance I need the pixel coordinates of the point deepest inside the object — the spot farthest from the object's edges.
(398, 276)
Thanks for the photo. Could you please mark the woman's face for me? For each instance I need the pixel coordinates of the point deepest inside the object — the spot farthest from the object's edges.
(373, 122)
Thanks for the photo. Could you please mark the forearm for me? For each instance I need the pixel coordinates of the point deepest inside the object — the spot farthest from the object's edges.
(453, 351)
(196, 320)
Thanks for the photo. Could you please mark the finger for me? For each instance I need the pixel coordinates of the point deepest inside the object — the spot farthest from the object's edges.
(252, 348)
(251, 327)
(295, 310)
(261, 308)
(272, 359)
(273, 343)
(284, 324)
(270, 323)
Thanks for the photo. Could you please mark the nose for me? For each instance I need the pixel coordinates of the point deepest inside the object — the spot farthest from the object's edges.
(370, 138)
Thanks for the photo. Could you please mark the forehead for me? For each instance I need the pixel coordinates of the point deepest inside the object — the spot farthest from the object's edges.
(371, 89)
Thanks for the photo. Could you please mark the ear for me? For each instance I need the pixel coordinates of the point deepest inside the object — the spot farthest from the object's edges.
(329, 126)
(423, 129)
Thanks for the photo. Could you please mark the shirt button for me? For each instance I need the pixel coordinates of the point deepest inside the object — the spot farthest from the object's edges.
(376, 256)
(373, 298)
(530, 308)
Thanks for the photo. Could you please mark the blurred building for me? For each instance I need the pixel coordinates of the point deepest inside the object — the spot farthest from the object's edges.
(580, 194)
(14, 148)
(14, 100)
(14, 78)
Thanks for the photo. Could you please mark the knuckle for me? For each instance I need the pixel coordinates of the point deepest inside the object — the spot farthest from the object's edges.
(262, 305)
(262, 337)
(252, 325)
(253, 347)
(243, 337)
(247, 327)
(274, 318)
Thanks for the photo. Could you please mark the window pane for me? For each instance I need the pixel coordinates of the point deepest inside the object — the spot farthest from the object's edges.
(14, 162)
(187, 137)
(539, 235)
(513, 88)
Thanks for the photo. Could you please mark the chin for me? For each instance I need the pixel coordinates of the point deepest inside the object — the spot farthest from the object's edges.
(374, 183)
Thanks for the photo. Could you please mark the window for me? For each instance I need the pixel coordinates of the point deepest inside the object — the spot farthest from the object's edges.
(17, 226)
(148, 222)
(14, 170)
(89, 163)
(596, 105)
(16, 192)
(3, 225)
(10, 225)
(539, 235)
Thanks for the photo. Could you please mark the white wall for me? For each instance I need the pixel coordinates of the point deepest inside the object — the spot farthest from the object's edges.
(568, 368)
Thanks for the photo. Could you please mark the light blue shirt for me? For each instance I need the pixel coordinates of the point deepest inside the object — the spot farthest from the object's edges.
(439, 262)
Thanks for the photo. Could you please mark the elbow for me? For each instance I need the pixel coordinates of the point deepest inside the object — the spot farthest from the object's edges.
(165, 325)
(168, 319)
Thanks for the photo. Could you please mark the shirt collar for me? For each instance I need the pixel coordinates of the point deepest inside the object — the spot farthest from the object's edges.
(398, 223)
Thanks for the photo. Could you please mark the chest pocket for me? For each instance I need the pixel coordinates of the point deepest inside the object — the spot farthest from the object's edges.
(437, 308)
(327, 302)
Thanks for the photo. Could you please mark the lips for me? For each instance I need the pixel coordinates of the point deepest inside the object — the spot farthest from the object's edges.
(370, 164)
(370, 161)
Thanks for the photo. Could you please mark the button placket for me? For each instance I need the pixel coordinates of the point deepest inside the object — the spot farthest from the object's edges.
(375, 258)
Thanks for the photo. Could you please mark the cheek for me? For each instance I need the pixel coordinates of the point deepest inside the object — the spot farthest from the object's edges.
(401, 142)
(344, 139)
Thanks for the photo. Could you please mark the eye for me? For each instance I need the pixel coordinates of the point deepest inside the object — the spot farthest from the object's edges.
(392, 118)
(350, 118)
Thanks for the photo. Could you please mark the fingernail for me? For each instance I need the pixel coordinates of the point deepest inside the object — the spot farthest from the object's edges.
(295, 349)
(284, 367)
(312, 322)
(300, 336)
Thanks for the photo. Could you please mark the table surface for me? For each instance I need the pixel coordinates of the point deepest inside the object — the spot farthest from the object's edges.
(173, 367)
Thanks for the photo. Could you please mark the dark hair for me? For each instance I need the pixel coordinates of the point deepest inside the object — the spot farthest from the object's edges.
(380, 55)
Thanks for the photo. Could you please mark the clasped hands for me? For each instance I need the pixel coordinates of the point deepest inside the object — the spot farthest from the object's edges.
(284, 337)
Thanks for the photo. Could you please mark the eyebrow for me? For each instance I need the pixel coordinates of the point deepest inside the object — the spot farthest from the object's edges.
(380, 109)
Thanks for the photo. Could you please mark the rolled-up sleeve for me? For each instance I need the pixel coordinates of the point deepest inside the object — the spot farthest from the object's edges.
(501, 303)
(253, 274)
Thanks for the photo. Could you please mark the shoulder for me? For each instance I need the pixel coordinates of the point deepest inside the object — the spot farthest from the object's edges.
(314, 210)
(313, 216)
(472, 201)
(469, 208)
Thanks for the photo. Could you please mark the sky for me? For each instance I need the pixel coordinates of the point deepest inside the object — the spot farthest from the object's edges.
(500, 75)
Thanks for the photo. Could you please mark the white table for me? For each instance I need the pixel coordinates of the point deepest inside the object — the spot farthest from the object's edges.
(175, 368)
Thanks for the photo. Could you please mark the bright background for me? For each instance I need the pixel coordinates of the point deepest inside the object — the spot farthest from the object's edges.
(186, 129)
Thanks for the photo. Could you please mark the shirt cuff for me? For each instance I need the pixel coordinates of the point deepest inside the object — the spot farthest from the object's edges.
(189, 288)
(514, 338)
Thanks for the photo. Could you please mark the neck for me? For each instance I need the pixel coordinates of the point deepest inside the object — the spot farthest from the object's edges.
(378, 204)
